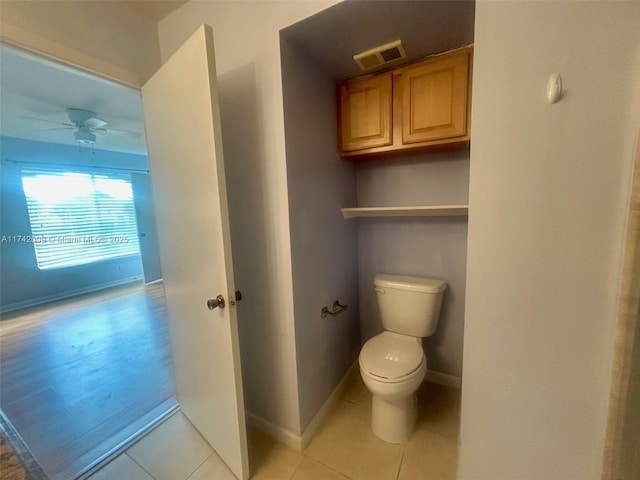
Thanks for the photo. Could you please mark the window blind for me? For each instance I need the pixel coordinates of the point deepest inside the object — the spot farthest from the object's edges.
(80, 217)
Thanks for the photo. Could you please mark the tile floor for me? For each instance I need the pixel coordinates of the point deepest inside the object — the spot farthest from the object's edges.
(343, 449)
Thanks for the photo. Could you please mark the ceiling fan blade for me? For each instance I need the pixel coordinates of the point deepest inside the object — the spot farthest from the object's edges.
(120, 133)
(48, 121)
(94, 122)
(52, 129)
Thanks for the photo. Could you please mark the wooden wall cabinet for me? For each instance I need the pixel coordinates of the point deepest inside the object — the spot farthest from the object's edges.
(366, 106)
(419, 106)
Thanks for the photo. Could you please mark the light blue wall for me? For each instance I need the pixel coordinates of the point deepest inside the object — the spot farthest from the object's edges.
(433, 247)
(323, 245)
(21, 283)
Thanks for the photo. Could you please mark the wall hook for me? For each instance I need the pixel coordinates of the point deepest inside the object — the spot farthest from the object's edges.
(335, 309)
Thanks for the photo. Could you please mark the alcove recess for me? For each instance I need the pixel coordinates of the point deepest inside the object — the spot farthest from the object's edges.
(417, 108)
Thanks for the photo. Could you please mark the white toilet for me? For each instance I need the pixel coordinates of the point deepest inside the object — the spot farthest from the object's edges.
(393, 364)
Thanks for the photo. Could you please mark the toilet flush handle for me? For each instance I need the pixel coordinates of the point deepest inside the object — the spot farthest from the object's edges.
(380, 290)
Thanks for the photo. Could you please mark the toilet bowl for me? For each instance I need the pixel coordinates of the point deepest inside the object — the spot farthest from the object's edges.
(393, 364)
(392, 368)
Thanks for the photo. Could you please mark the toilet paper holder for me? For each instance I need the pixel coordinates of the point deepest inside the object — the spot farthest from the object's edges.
(335, 309)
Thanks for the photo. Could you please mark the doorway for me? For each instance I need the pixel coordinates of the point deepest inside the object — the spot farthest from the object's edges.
(84, 343)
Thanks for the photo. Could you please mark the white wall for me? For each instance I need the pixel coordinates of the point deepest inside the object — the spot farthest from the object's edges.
(109, 38)
(426, 247)
(548, 192)
(246, 36)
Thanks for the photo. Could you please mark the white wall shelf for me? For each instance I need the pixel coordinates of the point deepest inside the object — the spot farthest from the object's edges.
(413, 211)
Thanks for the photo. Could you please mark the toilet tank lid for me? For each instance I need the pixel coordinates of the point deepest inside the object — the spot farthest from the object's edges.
(404, 282)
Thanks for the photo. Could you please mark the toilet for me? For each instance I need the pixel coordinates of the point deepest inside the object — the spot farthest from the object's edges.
(393, 364)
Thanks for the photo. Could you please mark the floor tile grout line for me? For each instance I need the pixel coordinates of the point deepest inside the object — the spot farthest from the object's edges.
(293, 474)
(353, 402)
(213, 452)
(404, 446)
(328, 466)
(136, 462)
(445, 437)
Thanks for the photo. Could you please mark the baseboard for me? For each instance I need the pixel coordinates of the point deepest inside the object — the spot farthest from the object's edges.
(300, 442)
(443, 379)
(69, 294)
(283, 435)
(330, 404)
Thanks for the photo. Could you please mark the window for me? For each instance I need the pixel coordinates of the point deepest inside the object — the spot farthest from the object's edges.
(78, 218)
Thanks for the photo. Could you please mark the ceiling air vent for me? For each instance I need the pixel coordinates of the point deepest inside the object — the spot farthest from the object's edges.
(380, 56)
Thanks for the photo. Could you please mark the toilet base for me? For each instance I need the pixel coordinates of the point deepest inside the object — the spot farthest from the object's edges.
(393, 420)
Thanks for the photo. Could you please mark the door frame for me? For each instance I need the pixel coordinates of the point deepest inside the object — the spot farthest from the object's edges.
(118, 75)
(627, 339)
(126, 82)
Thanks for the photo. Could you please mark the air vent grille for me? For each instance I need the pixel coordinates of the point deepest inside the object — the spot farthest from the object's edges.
(370, 61)
(391, 54)
(380, 56)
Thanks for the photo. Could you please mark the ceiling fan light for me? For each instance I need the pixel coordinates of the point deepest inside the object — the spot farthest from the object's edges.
(85, 137)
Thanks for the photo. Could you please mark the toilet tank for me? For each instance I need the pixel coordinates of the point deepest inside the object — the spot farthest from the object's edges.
(409, 305)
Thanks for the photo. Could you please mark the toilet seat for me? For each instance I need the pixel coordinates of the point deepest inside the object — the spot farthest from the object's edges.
(391, 357)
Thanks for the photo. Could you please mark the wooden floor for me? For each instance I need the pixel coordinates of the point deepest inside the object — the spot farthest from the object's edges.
(10, 464)
(79, 377)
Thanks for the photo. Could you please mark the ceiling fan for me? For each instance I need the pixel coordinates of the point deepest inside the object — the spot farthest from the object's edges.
(86, 125)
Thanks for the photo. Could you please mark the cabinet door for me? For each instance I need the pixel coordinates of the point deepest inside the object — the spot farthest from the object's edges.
(365, 113)
(434, 98)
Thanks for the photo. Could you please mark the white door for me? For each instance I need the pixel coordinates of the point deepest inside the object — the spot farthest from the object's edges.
(146, 223)
(182, 122)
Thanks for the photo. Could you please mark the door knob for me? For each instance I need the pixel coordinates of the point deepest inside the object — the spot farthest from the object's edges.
(217, 302)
